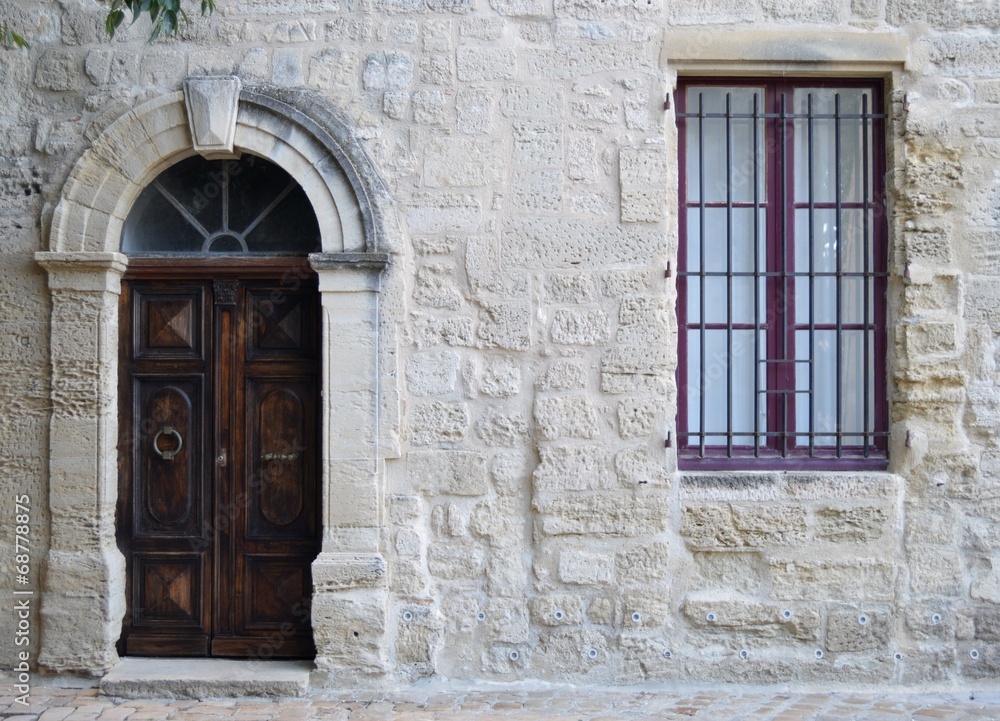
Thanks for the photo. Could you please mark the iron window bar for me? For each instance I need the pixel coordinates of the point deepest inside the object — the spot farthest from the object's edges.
(780, 273)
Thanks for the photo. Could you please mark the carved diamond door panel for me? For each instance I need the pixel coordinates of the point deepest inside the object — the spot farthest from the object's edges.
(218, 513)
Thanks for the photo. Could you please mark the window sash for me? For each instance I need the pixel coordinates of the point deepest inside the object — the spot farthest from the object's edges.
(753, 313)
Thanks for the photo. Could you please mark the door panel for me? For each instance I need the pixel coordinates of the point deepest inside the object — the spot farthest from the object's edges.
(218, 510)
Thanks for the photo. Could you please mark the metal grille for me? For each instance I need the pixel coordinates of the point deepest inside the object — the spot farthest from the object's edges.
(781, 289)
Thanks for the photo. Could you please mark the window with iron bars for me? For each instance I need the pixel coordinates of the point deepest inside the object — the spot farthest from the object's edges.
(782, 274)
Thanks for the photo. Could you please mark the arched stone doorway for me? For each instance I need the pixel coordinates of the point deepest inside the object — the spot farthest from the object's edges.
(83, 600)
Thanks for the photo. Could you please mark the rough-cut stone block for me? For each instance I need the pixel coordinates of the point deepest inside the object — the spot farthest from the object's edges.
(429, 374)
(59, 70)
(740, 572)
(602, 513)
(586, 567)
(643, 176)
(444, 213)
(584, 326)
(844, 525)
(857, 630)
(453, 561)
(637, 416)
(572, 468)
(458, 162)
(504, 428)
(936, 570)
(505, 325)
(439, 423)
(557, 610)
(537, 191)
(434, 286)
(566, 417)
(538, 143)
(500, 378)
(563, 375)
(635, 466)
(642, 565)
(575, 244)
(569, 288)
(440, 473)
(532, 101)
(508, 619)
(486, 64)
(474, 108)
(450, 331)
(593, 9)
(835, 579)
(387, 71)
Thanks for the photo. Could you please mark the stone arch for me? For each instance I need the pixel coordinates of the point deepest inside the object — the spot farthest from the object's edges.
(316, 148)
(84, 599)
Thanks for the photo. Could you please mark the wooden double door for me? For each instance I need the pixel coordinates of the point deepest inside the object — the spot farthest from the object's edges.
(218, 512)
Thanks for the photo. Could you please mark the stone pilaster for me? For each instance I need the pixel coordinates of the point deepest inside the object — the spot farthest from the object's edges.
(83, 599)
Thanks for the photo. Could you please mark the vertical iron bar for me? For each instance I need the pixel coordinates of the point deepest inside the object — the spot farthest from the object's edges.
(812, 282)
(756, 281)
(866, 279)
(839, 281)
(782, 326)
(701, 271)
(225, 196)
(729, 275)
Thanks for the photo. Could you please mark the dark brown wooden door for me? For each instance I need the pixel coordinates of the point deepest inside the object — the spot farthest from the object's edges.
(219, 494)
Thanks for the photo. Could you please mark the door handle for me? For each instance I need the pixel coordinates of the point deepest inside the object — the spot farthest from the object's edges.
(167, 455)
(279, 456)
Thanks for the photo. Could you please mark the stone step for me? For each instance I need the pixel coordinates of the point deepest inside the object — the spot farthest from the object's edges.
(205, 678)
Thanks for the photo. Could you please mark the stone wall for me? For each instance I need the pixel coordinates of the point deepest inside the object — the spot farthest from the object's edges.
(535, 526)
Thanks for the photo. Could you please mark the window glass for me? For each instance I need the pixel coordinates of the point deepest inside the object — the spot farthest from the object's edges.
(243, 206)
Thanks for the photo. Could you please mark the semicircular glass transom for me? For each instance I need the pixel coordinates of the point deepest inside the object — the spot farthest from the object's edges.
(215, 207)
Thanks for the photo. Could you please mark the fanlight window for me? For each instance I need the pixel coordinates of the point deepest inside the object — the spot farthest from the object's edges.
(211, 207)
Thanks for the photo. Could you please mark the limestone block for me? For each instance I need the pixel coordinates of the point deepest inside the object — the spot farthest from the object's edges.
(505, 575)
(497, 521)
(635, 466)
(857, 630)
(929, 338)
(583, 326)
(933, 619)
(776, 524)
(437, 36)
(404, 510)
(943, 14)
(482, 28)
(508, 619)
(935, 570)
(441, 213)
(642, 565)
(586, 567)
(596, 111)
(510, 471)
(573, 244)
(643, 176)
(59, 70)
(448, 473)
(594, 9)
(638, 417)
(387, 71)
(474, 110)
(572, 468)
(741, 572)
(505, 325)
(569, 288)
(581, 159)
(428, 107)
(532, 101)
(568, 652)
(438, 422)
(435, 287)
(725, 615)
(477, 64)
(462, 162)
(449, 331)
(645, 610)
(578, 59)
(349, 630)
(504, 428)
(332, 67)
(557, 610)
(453, 561)
(566, 417)
(436, 70)
(500, 378)
(538, 143)
(600, 513)
(429, 374)
(808, 11)
(601, 611)
(448, 521)
(562, 375)
(846, 525)
(620, 283)
(453, 6)
(519, 8)
(821, 580)
(408, 544)
(633, 370)
(419, 638)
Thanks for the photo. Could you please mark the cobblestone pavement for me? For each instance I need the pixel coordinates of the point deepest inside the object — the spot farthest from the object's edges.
(49, 703)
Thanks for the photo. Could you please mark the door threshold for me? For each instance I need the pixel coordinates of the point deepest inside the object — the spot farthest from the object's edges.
(202, 678)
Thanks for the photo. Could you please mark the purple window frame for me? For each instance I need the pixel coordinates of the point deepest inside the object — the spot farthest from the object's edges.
(779, 450)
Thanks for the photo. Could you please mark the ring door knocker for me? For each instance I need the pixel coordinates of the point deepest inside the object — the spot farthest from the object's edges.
(167, 455)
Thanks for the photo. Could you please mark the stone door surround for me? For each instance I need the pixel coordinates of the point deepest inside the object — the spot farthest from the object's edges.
(83, 597)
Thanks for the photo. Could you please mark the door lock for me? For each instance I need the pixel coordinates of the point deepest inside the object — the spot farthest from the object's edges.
(221, 459)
